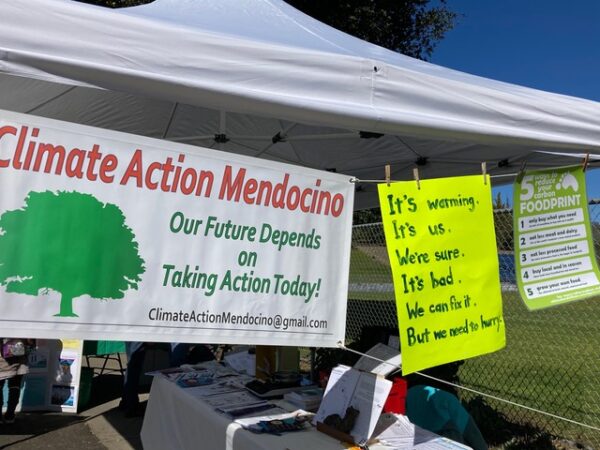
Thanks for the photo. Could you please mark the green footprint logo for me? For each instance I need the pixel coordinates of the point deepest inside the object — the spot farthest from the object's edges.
(567, 180)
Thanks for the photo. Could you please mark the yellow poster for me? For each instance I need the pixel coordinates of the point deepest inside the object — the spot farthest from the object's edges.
(442, 247)
(72, 344)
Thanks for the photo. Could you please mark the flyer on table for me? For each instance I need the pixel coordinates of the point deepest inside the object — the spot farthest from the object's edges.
(554, 248)
(442, 248)
(107, 235)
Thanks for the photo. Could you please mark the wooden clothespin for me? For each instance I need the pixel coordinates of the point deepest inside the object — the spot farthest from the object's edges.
(388, 173)
(484, 171)
(586, 160)
(416, 175)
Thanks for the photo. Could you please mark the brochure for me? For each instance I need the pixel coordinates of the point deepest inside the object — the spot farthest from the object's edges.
(232, 400)
(250, 410)
(383, 352)
(194, 379)
(364, 391)
(216, 388)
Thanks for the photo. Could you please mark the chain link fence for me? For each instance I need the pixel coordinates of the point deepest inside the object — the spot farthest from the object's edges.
(550, 362)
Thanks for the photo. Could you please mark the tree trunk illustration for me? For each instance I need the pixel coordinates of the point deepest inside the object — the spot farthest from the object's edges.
(66, 306)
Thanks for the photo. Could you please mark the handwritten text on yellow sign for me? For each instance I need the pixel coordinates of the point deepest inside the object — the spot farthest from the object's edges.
(442, 249)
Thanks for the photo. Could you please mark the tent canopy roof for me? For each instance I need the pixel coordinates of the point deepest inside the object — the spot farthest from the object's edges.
(259, 78)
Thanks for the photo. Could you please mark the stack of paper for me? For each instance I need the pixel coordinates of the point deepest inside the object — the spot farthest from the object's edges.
(397, 432)
(242, 361)
(307, 399)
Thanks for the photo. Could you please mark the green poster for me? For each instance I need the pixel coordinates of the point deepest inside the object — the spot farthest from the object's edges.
(554, 249)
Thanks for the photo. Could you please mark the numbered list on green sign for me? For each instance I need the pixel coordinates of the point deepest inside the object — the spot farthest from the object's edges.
(442, 249)
(554, 248)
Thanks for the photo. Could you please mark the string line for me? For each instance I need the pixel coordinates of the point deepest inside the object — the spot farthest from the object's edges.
(358, 180)
(474, 391)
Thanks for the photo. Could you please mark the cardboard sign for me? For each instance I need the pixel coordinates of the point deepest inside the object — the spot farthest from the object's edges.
(554, 248)
(442, 247)
(105, 235)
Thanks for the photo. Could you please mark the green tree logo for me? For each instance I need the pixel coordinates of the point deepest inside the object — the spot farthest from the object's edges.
(71, 243)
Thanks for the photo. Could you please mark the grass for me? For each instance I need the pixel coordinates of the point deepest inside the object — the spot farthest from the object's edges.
(369, 266)
(550, 362)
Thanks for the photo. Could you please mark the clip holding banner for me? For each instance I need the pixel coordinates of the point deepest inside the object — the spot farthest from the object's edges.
(521, 173)
(586, 160)
(388, 171)
(416, 175)
(484, 171)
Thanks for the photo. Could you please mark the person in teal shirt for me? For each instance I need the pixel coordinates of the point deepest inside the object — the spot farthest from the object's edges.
(442, 413)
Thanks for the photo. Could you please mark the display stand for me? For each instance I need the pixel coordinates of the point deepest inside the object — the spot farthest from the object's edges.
(362, 388)
(106, 351)
(54, 379)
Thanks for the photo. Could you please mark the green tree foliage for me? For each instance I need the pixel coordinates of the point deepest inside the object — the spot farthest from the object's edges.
(70, 243)
(499, 203)
(411, 27)
(367, 216)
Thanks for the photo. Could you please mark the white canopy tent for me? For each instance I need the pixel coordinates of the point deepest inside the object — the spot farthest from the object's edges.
(259, 78)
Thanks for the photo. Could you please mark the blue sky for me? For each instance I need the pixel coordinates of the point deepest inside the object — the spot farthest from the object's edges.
(544, 44)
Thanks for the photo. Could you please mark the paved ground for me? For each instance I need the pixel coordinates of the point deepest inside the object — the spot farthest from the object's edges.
(100, 426)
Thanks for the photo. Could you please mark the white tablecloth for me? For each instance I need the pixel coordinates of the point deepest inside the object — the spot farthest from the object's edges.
(175, 420)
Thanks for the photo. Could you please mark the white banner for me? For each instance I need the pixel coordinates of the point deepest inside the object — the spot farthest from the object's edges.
(106, 235)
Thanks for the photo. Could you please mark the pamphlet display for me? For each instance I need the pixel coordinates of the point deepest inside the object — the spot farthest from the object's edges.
(364, 392)
(220, 387)
(200, 418)
(54, 379)
(361, 391)
(442, 249)
(554, 247)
